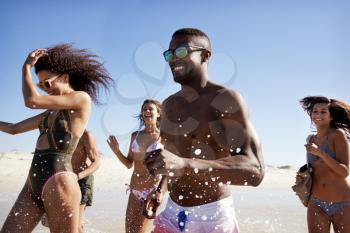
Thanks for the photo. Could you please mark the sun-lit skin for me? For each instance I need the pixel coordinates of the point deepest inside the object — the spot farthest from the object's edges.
(57, 85)
(141, 179)
(150, 115)
(329, 147)
(320, 115)
(60, 195)
(185, 67)
(209, 141)
(85, 161)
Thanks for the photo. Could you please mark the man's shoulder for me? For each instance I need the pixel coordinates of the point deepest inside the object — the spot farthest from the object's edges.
(86, 135)
(218, 89)
(87, 139)
(226, 91)
(170, 97)
(227, 100)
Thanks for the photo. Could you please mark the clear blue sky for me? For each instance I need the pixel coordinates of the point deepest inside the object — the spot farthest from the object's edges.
(274, 53)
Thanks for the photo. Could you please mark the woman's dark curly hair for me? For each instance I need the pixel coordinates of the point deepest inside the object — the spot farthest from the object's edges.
(340, 111)
(159, 109)
(84, 71)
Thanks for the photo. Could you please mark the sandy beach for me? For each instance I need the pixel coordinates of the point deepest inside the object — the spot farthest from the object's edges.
(271, 207)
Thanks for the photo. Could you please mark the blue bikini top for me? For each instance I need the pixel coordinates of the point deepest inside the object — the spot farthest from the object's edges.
(325, 148)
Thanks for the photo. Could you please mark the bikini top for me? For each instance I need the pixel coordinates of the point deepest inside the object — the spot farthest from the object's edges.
(325, 148)
(58, 132)
(135, 147)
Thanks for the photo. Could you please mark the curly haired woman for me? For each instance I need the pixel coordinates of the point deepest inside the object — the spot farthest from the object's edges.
(71, 77)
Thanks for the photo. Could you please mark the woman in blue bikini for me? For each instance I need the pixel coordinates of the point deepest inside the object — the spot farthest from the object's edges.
(328, 153)
(71, 78)
(142, 182)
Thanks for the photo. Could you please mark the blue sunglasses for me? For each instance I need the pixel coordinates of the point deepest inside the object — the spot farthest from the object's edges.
(181, 51)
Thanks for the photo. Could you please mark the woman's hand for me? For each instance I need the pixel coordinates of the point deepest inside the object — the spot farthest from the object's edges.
(298, 179)
(34, 56)
(312, 148)
(113, 144)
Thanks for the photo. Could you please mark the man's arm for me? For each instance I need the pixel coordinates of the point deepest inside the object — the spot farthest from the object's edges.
(92, 154)
(240, 161)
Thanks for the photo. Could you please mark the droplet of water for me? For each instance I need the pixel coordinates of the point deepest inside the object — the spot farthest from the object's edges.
(197, 151)
(181, 197)
(195, 170)
(171, 173)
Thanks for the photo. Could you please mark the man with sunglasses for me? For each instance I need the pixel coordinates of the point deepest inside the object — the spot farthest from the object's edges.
(209, 142)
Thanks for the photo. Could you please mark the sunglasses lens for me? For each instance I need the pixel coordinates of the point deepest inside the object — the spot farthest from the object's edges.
(181, 52)
(47, 84)
(168, 55)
